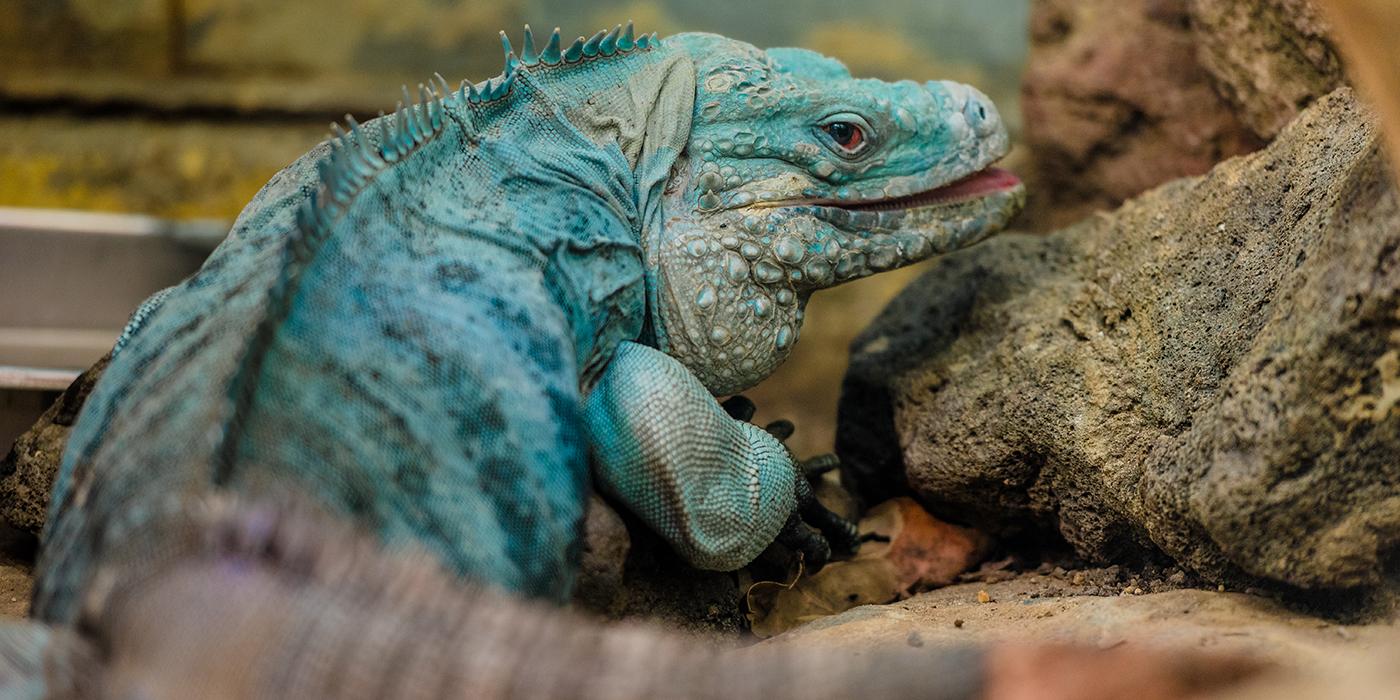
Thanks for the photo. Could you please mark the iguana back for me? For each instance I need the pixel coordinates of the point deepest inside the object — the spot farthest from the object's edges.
(397, 335)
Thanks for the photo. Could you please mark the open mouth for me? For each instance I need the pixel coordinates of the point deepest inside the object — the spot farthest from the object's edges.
(974, 186)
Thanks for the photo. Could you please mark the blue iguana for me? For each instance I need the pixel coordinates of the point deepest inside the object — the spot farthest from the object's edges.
(427, 325)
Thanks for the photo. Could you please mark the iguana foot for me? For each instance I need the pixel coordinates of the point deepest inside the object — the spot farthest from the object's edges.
(812, 546)
(837, 535)
(842, 534)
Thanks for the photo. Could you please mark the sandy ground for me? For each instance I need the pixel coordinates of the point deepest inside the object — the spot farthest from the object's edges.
(16, 573)
(1038, 607)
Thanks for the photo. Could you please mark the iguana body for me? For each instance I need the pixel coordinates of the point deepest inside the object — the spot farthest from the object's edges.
(426, 326)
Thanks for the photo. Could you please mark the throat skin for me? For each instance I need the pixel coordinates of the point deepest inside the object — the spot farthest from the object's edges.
(737, 302)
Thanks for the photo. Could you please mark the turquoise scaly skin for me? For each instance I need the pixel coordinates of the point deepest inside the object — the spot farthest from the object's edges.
(428, 323)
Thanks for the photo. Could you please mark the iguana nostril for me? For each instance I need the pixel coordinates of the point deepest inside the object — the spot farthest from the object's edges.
(982, 120)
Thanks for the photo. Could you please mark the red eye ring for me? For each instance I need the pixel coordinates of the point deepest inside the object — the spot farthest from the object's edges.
(849, 136)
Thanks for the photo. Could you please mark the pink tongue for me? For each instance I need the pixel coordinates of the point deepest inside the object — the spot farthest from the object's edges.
(987, 181)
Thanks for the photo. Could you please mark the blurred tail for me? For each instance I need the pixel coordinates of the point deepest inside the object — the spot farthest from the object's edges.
(268, 601)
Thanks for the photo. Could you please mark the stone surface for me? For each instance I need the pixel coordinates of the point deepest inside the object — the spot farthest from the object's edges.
(1039, 614)
(1210, 374)
(1115, 102)
(1365, 32)
(1270, 58)
(27, 471)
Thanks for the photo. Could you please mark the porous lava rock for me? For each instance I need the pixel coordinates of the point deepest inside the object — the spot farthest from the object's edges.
(1210, 374)
(1115, 101)
(1269, 58)
(27, 472)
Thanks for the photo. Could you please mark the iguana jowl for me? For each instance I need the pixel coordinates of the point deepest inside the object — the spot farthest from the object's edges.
(426, 325)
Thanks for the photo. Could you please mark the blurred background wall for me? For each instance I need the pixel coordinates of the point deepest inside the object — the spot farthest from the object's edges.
(182, 109)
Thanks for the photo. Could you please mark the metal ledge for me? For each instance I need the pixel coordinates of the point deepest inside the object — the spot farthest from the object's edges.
(70, 279)
(35, 378)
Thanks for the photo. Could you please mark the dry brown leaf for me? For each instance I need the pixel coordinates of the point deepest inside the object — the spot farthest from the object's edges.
(914, 551)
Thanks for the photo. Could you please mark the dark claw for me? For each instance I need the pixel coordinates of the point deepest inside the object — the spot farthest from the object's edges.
(780, 429)
(739, 407)
(842, 534)
(799, 538)
(811, 530)
(821, 464)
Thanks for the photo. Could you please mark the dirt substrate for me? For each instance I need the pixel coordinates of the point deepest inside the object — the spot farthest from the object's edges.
(16, 572)
(1099, 608)
(1304, 656)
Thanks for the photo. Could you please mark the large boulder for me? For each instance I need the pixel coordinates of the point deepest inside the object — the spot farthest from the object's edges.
(1115, 102)
(1210, 374)
(28, 470)
(1270, 58)
(1122, 95)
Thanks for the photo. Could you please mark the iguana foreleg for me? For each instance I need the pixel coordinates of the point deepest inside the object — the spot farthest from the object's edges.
(720, 490)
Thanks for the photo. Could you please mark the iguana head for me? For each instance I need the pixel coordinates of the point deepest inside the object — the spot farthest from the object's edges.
(798, 177)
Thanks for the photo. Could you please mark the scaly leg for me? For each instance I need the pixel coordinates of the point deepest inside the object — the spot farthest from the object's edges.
(838, 535)
(718, 489)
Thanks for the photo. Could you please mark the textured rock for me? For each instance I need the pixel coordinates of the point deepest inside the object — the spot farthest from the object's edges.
(1115, 102)
(1211, 373)
(27, 472)
(1270, 58)
(1365, 31)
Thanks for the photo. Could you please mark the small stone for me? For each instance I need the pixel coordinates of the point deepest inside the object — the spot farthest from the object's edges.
(958, 623)
(914, 639)
(984, 597)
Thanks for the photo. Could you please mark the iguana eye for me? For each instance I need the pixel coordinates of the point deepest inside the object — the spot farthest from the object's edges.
(848, 136)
